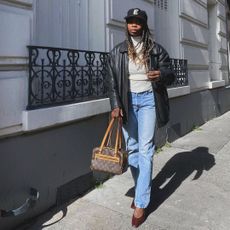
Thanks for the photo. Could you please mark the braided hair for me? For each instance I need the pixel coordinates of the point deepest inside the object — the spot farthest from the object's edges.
(148, 43)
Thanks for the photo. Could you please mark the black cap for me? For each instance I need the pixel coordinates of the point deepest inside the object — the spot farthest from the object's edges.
(137, 13)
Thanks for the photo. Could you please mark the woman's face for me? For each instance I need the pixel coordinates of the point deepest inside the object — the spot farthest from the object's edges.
(135, 26)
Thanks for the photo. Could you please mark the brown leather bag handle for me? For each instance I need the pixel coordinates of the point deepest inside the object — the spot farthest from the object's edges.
(120, 137)
(118, 134)
(117, 138)
(106, 134)
(109, 142)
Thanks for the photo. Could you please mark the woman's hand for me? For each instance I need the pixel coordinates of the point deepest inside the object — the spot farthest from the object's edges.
(154, 75)
(117, 112)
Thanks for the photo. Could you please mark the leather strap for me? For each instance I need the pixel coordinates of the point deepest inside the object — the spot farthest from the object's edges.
(119, 133)
(108, 135)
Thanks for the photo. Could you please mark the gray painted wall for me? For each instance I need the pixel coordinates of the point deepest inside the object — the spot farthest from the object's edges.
(193, 110)
(61, 23)
(196, 109)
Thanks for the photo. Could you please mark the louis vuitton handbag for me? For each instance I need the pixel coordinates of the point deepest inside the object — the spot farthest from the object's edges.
(109, 157)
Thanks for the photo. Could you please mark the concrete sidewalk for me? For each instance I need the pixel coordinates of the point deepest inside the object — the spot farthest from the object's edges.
(191, 189)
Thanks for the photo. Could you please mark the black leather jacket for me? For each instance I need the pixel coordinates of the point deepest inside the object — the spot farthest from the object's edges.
(118, 83)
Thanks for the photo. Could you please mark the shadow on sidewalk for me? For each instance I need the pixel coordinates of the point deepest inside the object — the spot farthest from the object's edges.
(175, 171)
(37, 223)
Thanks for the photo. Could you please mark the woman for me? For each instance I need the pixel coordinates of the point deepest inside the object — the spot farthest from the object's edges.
(139, 70)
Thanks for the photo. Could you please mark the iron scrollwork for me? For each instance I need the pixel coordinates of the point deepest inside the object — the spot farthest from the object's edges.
(61, 76)
(179, 66)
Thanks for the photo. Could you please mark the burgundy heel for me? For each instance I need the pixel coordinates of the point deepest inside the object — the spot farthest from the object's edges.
(133, 205)
(136, 222)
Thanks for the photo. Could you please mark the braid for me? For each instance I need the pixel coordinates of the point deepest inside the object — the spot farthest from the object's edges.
(148, 44)
(131, 49)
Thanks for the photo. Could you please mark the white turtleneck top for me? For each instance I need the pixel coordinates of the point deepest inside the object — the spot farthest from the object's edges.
(138, 80)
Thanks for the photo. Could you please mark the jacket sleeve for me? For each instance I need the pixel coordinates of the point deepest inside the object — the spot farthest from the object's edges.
(111, 83)
(167, 75)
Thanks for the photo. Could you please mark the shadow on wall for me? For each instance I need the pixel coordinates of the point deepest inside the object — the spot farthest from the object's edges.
(185, 114)
(175, 171)
(191, 111)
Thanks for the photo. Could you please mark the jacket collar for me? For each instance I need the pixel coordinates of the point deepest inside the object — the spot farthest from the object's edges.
(124, 47)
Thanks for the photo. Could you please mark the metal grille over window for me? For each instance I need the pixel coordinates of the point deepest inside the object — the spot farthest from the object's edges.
(161, 4)
(179, 66)
(61, 76)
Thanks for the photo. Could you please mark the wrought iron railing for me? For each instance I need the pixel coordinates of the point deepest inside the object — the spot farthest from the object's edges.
(60, 76)
(180, 67)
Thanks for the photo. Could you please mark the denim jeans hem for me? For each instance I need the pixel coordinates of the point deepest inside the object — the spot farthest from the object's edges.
(140, 205)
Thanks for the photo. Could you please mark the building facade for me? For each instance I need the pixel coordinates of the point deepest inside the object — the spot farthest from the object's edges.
(49, 148)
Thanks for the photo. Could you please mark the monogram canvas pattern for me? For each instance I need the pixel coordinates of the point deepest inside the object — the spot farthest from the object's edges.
(105, 165)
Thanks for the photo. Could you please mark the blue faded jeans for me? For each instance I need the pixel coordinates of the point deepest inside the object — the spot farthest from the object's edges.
(139, 138)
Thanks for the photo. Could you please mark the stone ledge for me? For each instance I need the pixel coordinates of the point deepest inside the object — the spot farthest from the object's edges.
(24, 4)
(42, 118)
(179, 91)
(216, 84)
(10, 131)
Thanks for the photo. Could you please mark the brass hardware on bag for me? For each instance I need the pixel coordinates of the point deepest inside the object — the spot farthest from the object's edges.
(105, 157)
